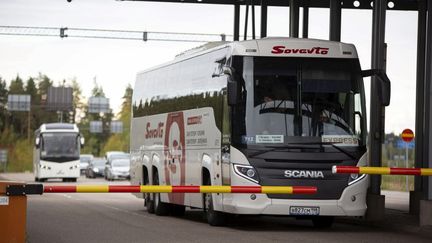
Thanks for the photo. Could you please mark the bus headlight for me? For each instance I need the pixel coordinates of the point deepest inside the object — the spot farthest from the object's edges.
(355, 178)
(246, 171)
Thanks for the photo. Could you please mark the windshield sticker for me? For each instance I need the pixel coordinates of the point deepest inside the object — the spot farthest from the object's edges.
(341, 140)
(248, 140)
(269, 138)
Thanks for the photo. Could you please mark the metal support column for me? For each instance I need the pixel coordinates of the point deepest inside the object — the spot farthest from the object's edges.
(236, 22)
(426, 203)
(420, 147)
(305, 28)
(335, 20)
(294, 18)
(375, 200)
(263, 18)
(427, 186)
(246, 22)
(253, 19)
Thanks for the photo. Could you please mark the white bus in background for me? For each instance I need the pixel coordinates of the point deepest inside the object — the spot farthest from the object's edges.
(270, 112)
(56, 153)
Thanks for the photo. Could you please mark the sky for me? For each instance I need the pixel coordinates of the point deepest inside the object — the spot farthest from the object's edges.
(114, 63)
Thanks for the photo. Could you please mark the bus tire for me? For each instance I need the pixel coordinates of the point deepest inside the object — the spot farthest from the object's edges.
(323, 222)
(160, 208)
(214, 218)
(148, 202)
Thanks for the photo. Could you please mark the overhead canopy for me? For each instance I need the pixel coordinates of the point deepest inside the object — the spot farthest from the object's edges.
(346, 4)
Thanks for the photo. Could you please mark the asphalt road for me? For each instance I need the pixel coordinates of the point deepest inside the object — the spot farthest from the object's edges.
(122, 218)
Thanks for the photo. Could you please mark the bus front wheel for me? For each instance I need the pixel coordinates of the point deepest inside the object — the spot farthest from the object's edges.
(214, 218)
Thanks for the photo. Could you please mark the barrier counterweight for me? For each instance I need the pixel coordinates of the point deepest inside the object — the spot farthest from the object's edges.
(180, 189)
(381, 170)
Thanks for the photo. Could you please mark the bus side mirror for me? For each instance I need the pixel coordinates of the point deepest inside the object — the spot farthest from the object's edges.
(232, 92)
(82, 140)
(227, 70)
(384, 86)
(37, 142)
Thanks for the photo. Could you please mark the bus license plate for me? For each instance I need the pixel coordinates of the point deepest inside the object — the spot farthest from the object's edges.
(304, 210)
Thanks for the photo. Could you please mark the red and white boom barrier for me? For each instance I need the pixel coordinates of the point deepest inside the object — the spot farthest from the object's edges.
(181, 189)
(381, 170)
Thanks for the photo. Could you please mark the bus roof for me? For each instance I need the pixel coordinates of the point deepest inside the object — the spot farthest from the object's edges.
(272, 47)
(58, 127)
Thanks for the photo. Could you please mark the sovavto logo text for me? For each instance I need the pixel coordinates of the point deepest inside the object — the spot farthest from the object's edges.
(304, 174)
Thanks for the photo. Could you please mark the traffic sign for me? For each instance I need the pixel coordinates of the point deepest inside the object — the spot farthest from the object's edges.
(407, 135)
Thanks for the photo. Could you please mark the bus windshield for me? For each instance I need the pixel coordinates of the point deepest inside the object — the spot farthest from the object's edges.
(302, 97)
(60, 147)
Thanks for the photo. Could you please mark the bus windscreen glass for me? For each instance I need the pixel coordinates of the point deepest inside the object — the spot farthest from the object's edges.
(299, 97)
(60, 147)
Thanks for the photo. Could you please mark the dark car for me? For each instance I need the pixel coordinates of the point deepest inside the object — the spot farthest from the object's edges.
(96, 168)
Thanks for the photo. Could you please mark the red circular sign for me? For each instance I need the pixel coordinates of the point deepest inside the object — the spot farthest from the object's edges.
(407, 135)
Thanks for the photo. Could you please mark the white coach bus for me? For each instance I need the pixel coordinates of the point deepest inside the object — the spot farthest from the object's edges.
(270, 112)
(56, 153)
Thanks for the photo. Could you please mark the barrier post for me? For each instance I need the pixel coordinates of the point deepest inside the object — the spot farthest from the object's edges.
(13, 212)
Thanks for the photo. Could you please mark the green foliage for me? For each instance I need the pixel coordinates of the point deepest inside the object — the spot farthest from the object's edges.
(16, 86)
(91, 146)
(115, 142)
(97, 90)
(31, 89)
(20, 156)
(4, 116)
(78, 104)
(7, 137)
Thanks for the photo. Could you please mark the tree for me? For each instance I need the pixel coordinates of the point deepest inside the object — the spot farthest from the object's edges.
(78, 105)
(43, 84)
(3, 92)
(40, 114)
(31, 89)
(19, 118)
(4, 114)
(125, 112)
(97, 90)
(16, 86)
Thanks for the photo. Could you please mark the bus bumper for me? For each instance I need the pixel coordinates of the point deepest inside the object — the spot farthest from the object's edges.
(51, 170)
(351, 203)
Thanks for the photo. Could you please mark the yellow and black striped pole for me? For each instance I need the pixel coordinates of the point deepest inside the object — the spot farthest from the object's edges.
(180, 189)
